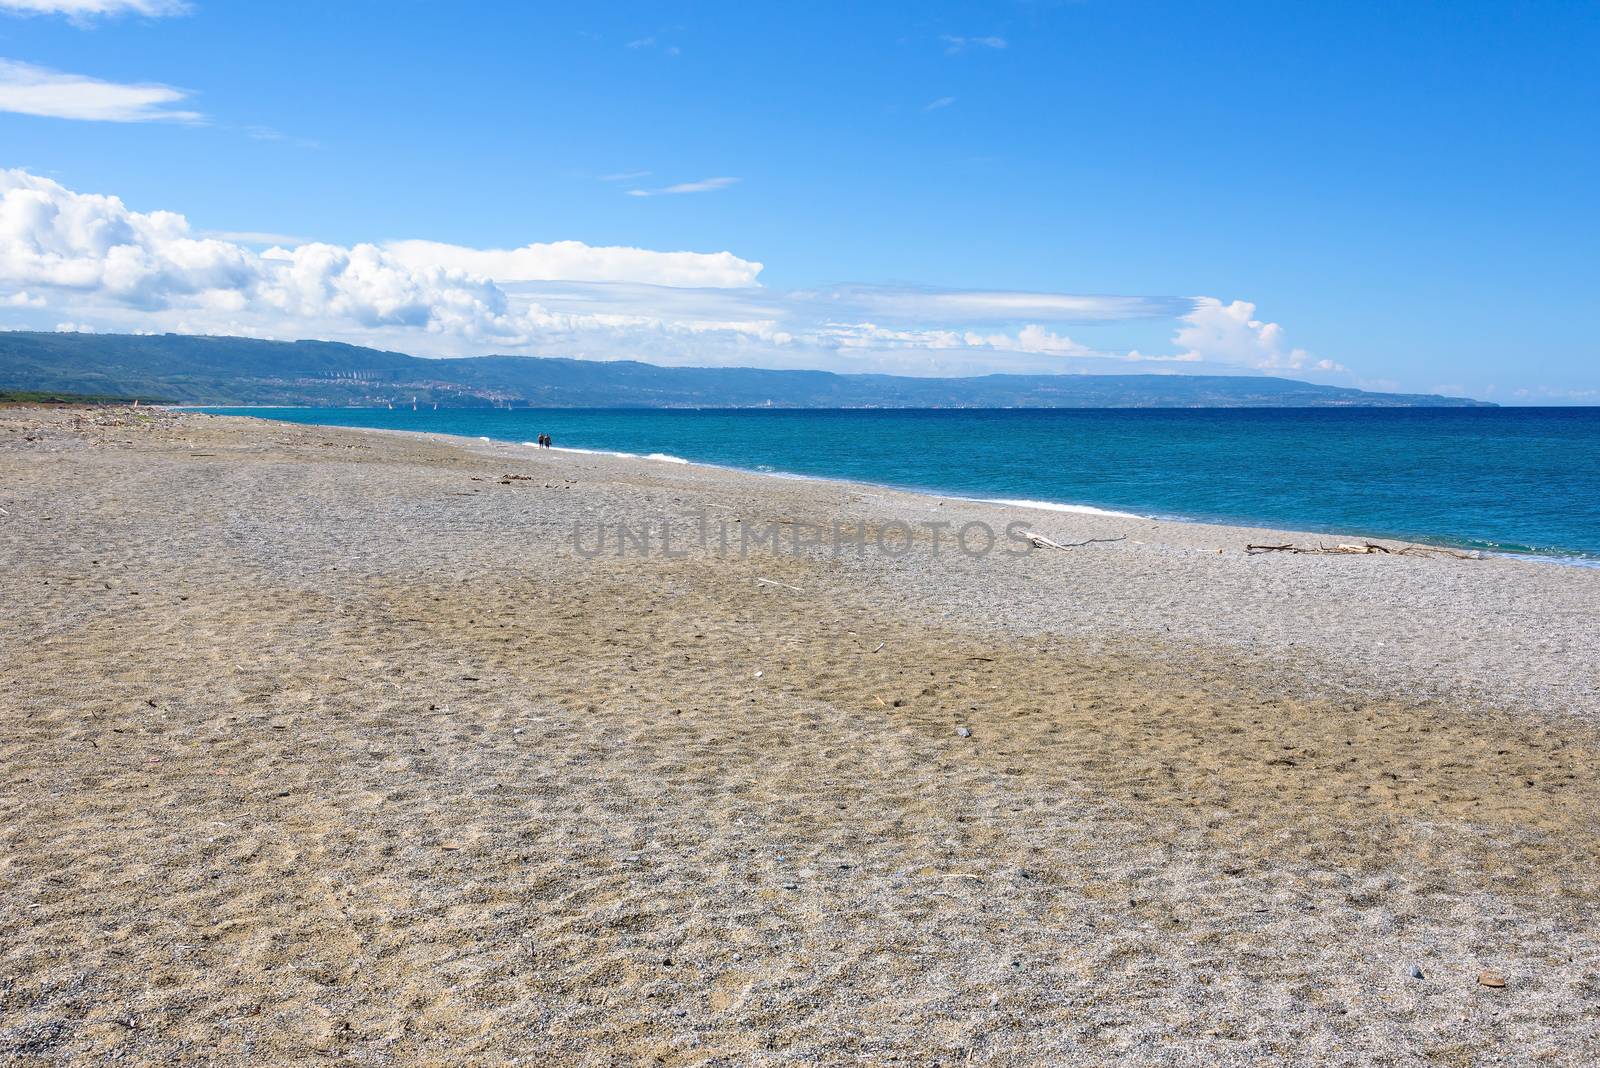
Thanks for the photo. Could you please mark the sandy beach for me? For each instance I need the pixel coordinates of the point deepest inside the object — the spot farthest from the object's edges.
(328, 746)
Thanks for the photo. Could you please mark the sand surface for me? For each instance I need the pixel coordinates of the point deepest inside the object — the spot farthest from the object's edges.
(322, 746)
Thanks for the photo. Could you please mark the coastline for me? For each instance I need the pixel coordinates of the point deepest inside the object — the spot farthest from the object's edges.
(1311, 530)
(321, 743)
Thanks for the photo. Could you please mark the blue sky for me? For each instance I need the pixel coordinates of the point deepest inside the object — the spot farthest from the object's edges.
(1395, 196)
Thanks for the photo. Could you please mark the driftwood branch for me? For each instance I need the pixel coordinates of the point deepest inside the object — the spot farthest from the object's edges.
(1366, 548)
(1041, 542)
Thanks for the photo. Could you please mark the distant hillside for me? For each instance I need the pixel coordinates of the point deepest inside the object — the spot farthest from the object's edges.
(178, 368)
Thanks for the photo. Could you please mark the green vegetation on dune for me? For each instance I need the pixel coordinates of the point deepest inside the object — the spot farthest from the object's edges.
(30, 396)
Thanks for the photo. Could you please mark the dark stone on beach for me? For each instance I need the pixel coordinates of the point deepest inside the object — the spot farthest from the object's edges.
(1415, 972)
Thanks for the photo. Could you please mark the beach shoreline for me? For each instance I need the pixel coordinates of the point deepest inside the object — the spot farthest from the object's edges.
(324, 744)
(1308, 529)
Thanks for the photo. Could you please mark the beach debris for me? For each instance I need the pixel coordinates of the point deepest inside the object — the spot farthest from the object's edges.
(964, 732)
(1366, 548)
(879, 649)
(1493, 980)
(1041, 542)
(774, 582)
(1415, 972)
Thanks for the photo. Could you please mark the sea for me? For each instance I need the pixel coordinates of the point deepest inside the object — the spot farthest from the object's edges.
(1523, 481)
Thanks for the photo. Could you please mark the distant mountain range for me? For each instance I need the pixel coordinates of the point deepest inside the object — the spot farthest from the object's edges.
(182, 369)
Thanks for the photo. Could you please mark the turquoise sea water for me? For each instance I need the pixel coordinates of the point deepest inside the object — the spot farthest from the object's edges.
(1520, 480)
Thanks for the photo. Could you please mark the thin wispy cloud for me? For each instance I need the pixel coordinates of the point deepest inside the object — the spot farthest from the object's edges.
(942, 102)
(256, 237)
(29, 90)
(267, 133)
(84, 11)
(642, 43)
(956, 45)
(704, 185)
(625, 176)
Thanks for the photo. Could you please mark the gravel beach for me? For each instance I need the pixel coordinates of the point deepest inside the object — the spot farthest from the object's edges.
(329, 746)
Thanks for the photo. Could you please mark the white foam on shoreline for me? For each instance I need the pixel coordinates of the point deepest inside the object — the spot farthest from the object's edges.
(660, 457)
(1052, 506)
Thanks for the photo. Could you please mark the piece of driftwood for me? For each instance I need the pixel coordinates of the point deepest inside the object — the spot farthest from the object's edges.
(774, 582)
(1041, 542)
(1366, 548)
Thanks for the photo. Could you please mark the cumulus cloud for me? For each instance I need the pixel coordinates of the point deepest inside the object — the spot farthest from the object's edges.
(91, 262)
(50, 236)
(86, 10)
(29, 90)
(1231, 334)
(53, 238)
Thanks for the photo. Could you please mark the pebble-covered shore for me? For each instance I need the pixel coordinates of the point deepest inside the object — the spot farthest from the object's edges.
(320, 745)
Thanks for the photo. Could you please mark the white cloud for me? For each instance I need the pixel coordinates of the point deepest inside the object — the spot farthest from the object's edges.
(907, 304)
(650, 42)
(936, 105)
(576, 261)
(92, 262)
(256, 237)
(1031, 339)
(140, 269)
(956, 45)
(86, 10)
(30, 90)
(704, 185)
(1558, 394)
(625, 176)
(50, 236)
(1231, 334)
